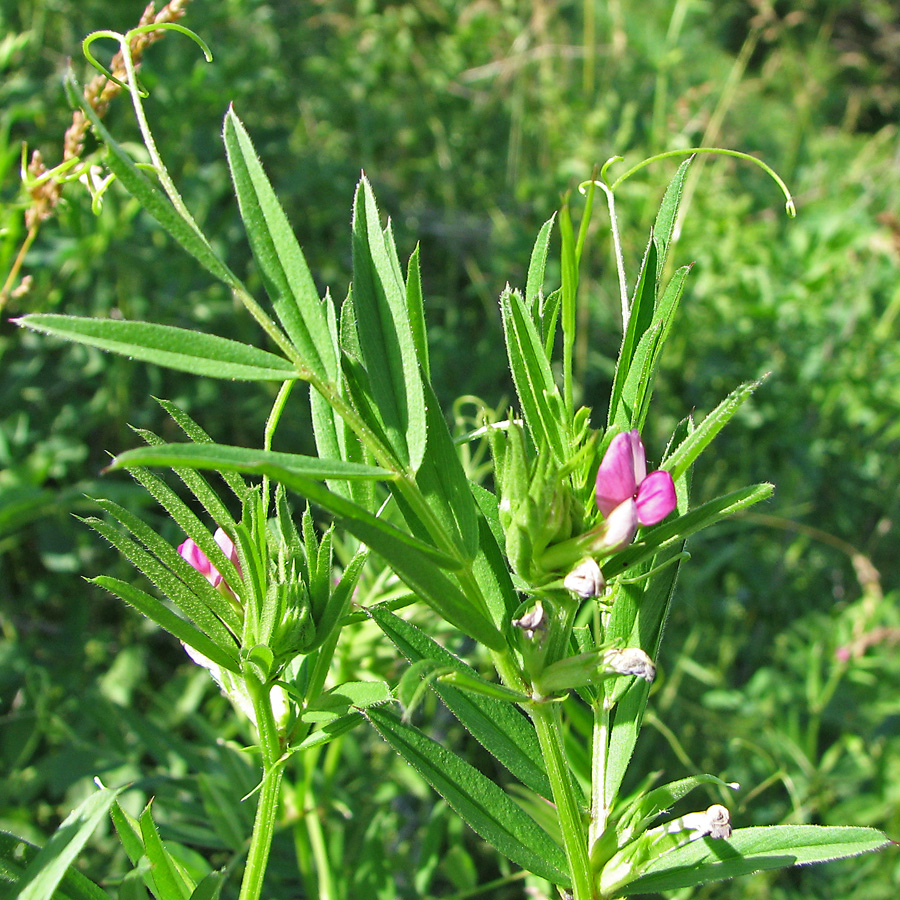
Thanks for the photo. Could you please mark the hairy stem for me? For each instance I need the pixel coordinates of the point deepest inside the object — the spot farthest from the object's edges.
(267, 808)
(546, 718)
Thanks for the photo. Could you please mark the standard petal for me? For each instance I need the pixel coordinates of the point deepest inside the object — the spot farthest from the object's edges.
(638, 456)
(192, 554)
(655, 498)
(616, 480)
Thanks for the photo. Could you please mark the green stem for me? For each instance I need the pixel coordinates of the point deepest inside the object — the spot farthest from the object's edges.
(267, 808)
(165, 179)
(617, 246)
(271, 424)
(789, 206)
(546, 718)
(326, 889)
(599, 760)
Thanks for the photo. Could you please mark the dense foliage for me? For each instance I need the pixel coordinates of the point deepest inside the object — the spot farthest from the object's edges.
(471, 120)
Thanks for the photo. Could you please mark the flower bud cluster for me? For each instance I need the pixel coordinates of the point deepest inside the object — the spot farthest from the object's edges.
(538, 507)
(285, 592)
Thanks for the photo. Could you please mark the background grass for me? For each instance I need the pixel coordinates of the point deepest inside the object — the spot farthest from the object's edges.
(472, 119)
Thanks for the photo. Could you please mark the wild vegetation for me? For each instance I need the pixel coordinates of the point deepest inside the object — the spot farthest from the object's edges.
(473, 122)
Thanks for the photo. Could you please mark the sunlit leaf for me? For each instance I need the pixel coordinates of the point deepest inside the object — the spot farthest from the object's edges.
(168, 346)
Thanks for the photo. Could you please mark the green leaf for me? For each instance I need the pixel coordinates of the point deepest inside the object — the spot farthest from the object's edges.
(166, 619)
(751, 850)
(284, 270)
(50, 865)
(191, 525)
(664, 226)
(535, 280)
(181, 594)
(649, 806)
(210, 887)
(301, 474)
(332, 729)
(151, 198)
(549, 313)
(639, 320)
(500, 728)
(387, 345)
(199, 586)
(702, 436)
(355, 695)
(206, 496)
(16, 855)
(443, 482)
(339, 598)
(416, 309)
(199, 436)
(165, 345)
(646, 311)
(417, 563)
(637, 620)
(227, 458)
(634, 401)
(480, 802)
(490, 567)
(669, 532)
(333, 438)
(530, 368)
(129, 832)
(167, 876)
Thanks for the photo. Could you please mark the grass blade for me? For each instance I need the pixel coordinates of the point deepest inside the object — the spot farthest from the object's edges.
(49, 866)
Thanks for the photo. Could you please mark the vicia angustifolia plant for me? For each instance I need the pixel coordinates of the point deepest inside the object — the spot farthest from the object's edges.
(558, 566)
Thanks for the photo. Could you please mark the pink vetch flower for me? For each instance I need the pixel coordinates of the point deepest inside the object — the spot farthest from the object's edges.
(197, 558)
(626, 495)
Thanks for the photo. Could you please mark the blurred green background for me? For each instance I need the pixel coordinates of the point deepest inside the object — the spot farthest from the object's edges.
(780, 668)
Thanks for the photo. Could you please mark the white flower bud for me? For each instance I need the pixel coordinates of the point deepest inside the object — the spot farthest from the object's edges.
(532, 621)
(585, 579)
(714, 822)
(630, 661)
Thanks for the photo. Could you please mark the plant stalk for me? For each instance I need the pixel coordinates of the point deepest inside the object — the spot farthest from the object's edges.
(599, 759)
(546, 718)
(267, 808)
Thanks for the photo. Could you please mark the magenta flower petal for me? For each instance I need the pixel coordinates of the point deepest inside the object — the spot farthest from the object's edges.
(655, 498)
(620, 472)
(192, 554)
(639, 458)
(228, 548)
